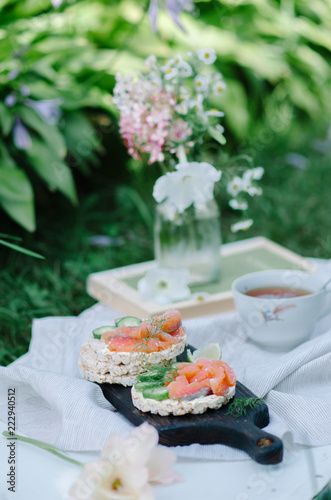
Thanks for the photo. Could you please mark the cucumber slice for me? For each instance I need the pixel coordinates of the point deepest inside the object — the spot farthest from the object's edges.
(97, 333)
(127, 321)
(153, 375)
(141, 386)
(158, 393)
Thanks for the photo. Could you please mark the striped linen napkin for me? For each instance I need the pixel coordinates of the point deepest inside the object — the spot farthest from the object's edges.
(56, 405)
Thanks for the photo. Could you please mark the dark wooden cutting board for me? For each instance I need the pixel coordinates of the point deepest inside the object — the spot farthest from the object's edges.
(212, 427)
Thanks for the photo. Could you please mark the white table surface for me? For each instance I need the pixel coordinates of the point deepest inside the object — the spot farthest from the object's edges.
(303, 473)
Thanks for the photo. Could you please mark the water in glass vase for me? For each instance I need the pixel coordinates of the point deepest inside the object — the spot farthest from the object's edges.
(191, 240)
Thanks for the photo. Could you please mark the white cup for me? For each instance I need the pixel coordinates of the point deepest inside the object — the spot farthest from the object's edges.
(280, 324)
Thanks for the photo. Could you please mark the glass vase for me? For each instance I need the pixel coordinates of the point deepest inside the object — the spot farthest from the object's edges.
(191, 240)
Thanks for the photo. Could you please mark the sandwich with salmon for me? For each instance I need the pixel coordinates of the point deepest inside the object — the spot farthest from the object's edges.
(185, 388)
(117, 354)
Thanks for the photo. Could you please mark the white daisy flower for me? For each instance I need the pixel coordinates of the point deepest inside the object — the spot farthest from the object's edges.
(163, 285)
(219, 87)
(238, 205)
(169, 64)
(197, 104)
(150, 61)
(190, 183)
(235, 186)
(207, 56)
(200, 296)
(242, 225)
(201, 83)
(185, 70)
(170, 73)
(178, 59)
(182, 108)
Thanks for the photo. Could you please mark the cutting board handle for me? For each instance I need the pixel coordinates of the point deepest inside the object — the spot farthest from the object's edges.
(262, 447)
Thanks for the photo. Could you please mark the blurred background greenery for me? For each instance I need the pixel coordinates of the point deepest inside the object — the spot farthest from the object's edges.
(75, 180)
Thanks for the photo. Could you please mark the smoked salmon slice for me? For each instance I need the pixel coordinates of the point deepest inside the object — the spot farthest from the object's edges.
(152, 335)
(191, 378)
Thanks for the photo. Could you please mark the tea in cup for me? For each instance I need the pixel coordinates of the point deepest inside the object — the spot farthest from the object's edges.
(279, 309)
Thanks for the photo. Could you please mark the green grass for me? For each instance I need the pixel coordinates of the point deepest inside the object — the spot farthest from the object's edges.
(294, 211)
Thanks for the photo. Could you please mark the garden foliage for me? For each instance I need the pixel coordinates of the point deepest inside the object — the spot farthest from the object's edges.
(58, 64)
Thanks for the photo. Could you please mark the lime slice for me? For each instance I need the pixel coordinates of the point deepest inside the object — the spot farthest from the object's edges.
(210, 351)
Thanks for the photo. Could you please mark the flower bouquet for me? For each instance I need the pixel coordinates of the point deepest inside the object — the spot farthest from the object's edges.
(166, 114)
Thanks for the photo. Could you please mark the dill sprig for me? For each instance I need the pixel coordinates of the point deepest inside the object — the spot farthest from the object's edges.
(240, 406)
(153, 332)
(170, 375)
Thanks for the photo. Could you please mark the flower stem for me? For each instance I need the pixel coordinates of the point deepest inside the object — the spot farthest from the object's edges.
(43, 446)
(181, 154)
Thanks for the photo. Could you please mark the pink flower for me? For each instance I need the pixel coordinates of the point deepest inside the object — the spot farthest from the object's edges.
(127, 468)
(144, 123)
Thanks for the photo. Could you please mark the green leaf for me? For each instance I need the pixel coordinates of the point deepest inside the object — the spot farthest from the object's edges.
(218, 136)
(52, 169)
(16, 196)
(82, 140)
(15, 185)
(234, 104)
(21, 211)
(6, 119)
(6, 159)
(21, 249)
(48, 132)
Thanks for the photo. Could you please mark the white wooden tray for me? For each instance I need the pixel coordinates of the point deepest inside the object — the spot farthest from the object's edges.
(118, 287)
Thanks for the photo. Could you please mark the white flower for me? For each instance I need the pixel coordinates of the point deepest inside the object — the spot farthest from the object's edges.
(127, 468)
(170, 73)
(207, 56)
(182, 108)
(150, 61)
(197, 104)
(190, 183)
(170, 63)
(164, 285)
(185, 69)
(235, 186)
(219, 87)
(56, 3)
(254, 191)
(242, 225)
(258, 173)
(200, 296)
(253, 174)
(238, 205)
(216, 112)
(201, 83)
